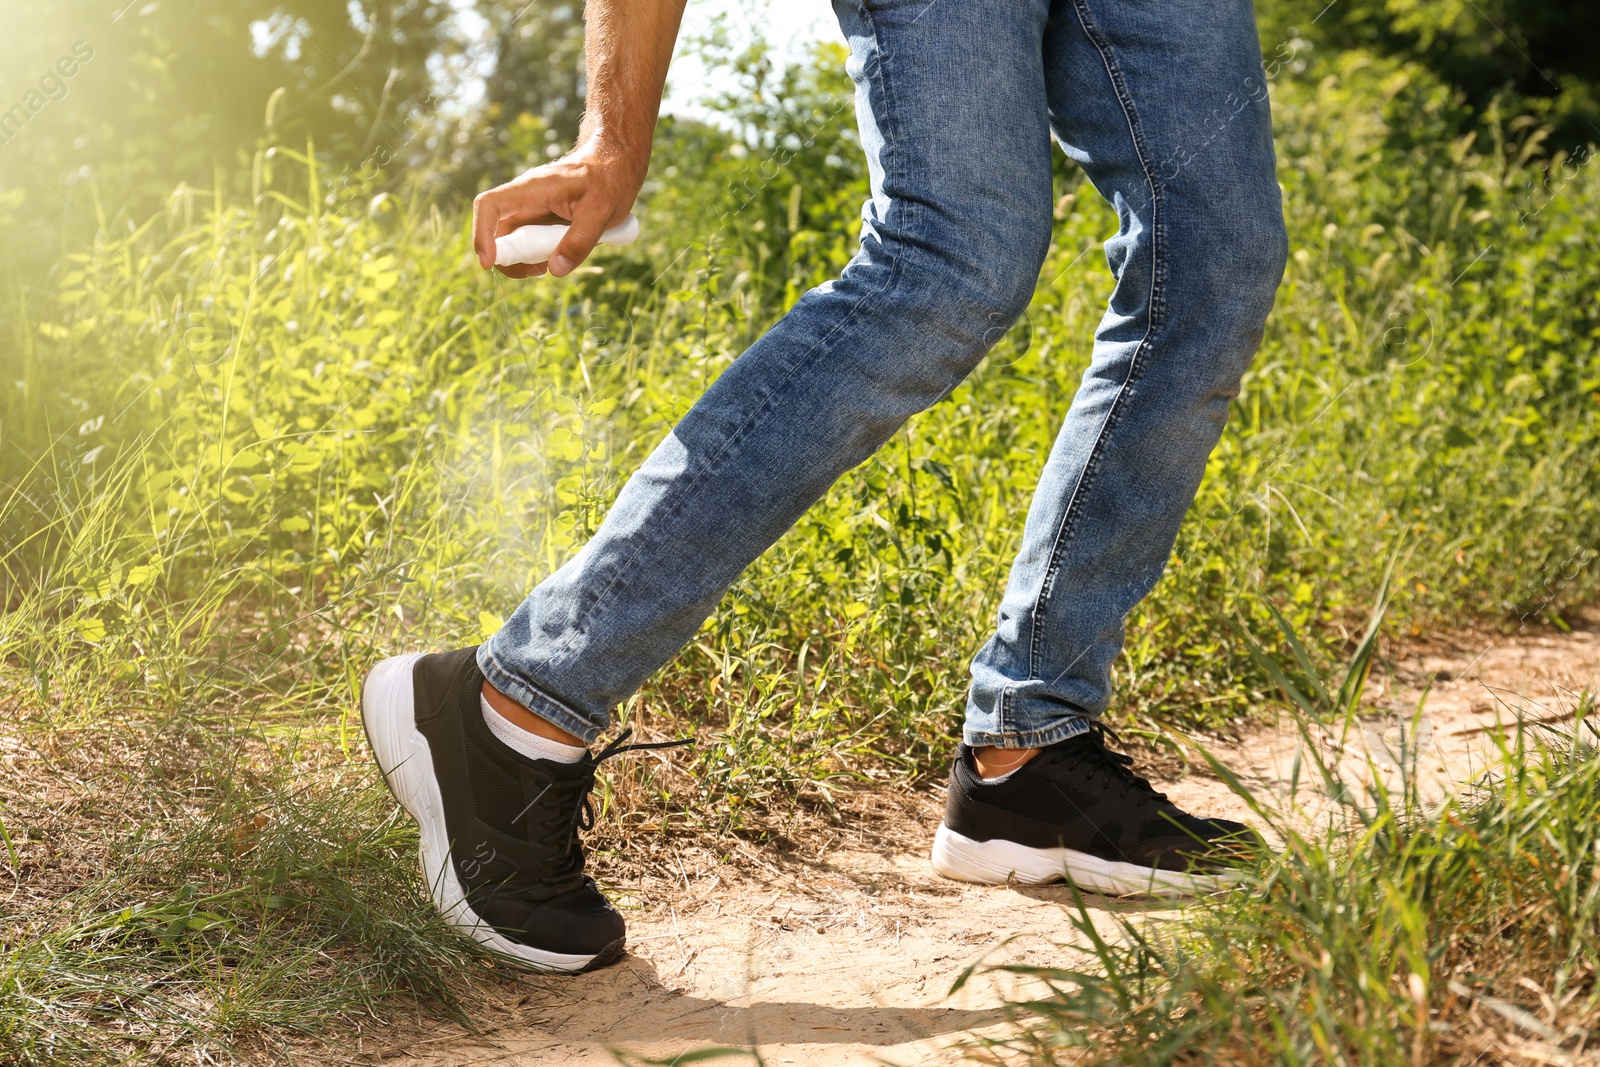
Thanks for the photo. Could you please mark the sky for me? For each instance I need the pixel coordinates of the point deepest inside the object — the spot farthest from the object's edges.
(790, 26)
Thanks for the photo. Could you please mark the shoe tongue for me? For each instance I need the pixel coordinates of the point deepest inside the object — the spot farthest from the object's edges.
(562, 785)
(1081, 743)
(583, 768)
(553, 818)
(1092, 747)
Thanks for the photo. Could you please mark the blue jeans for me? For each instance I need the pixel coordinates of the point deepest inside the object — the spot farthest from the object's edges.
(1164, 105)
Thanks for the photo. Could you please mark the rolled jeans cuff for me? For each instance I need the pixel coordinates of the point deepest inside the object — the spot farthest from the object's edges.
(540, 703)
(1040, 738)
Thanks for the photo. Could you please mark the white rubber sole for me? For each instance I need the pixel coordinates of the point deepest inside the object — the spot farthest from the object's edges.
(1001, 862)
(403, 756)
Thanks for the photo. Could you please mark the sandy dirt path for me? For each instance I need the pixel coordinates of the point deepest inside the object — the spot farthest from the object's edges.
(848, 957)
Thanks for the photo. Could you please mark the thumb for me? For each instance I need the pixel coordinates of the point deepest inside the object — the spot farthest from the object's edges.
(584, 233)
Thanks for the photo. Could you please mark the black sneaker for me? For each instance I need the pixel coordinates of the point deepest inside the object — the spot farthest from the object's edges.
(500, 849)
(1076, 812)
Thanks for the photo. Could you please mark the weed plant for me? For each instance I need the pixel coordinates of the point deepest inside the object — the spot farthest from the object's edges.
(249, 446)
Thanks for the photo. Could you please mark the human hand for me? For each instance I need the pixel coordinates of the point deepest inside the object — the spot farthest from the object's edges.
(592, 188)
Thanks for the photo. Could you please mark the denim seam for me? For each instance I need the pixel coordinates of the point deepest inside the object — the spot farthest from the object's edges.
(533, 697)
(712, 463)
(1028, 739)
(1154, 305)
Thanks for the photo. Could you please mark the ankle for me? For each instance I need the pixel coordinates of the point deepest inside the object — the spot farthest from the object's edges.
(994, 762)
(522, 718)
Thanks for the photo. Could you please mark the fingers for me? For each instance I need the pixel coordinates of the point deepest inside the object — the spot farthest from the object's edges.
(584, 233)
(485, 219)
(529, 199)
(523, 270)
(591, 197)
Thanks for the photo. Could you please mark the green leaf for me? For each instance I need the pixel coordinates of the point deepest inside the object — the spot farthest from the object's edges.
(143, 574)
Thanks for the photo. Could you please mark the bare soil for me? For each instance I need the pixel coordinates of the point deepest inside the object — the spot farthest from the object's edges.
(846, 952)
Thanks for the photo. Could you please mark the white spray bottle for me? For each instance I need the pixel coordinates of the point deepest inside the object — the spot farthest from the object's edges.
(536, 244)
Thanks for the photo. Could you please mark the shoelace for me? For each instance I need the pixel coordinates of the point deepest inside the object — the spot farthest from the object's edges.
(582, 817)
(1114, 765)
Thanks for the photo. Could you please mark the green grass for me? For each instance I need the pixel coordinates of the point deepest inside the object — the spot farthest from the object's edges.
(1389, 931)
(252, 444)
(199, 888)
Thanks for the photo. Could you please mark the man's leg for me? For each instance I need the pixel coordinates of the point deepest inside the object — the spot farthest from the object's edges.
(1164, 105)
(953, 116)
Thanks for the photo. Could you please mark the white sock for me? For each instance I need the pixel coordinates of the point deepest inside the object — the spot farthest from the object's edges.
(997, 779)
(526, 742)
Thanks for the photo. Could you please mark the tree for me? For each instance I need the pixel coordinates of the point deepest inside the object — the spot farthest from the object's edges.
(1539, 55)
(171, 90)
(535, 91)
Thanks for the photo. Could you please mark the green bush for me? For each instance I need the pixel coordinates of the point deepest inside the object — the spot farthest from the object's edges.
(280, 407)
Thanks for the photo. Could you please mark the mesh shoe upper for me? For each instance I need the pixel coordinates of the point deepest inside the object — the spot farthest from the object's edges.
(1078, 794)
(514, 823)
